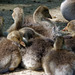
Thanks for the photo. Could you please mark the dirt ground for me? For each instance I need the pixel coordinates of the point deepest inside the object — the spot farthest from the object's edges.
(29, 6)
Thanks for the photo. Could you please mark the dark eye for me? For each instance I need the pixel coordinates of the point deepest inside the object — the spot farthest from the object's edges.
(18, 38)
(46, 10)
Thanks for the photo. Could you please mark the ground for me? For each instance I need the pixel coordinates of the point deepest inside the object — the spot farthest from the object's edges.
(6, 7)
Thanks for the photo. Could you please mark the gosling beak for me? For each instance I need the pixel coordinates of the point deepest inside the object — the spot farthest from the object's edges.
(65, 29)
(22, 44)
(50, 16)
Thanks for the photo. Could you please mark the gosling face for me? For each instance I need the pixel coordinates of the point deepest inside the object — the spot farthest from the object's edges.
(70, 26)
(15, 36)
(44, 11)
(27, 32)
(41, 13)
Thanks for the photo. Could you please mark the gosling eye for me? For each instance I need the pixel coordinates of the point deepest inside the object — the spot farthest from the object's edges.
(46, 10)
(19, 39)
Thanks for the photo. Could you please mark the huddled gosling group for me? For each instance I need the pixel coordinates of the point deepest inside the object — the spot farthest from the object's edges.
(34, 42)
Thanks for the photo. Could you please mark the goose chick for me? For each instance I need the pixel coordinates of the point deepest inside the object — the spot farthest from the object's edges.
(8, 51)
(38, 46)
(68, 9)
(59, 61)
(17, 16)
(70, 40)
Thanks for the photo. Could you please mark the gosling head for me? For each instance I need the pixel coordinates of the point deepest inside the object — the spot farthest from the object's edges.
(15, 36)
(70, 26)
(41, 13)
(28, 34)
(18, 14)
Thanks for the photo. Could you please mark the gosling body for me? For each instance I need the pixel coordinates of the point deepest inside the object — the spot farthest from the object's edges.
(8, 51)
(59, 61)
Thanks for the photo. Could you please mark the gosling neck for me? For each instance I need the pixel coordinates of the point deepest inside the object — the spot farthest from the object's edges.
(59, 44)
(18, 24)
(37, 17)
